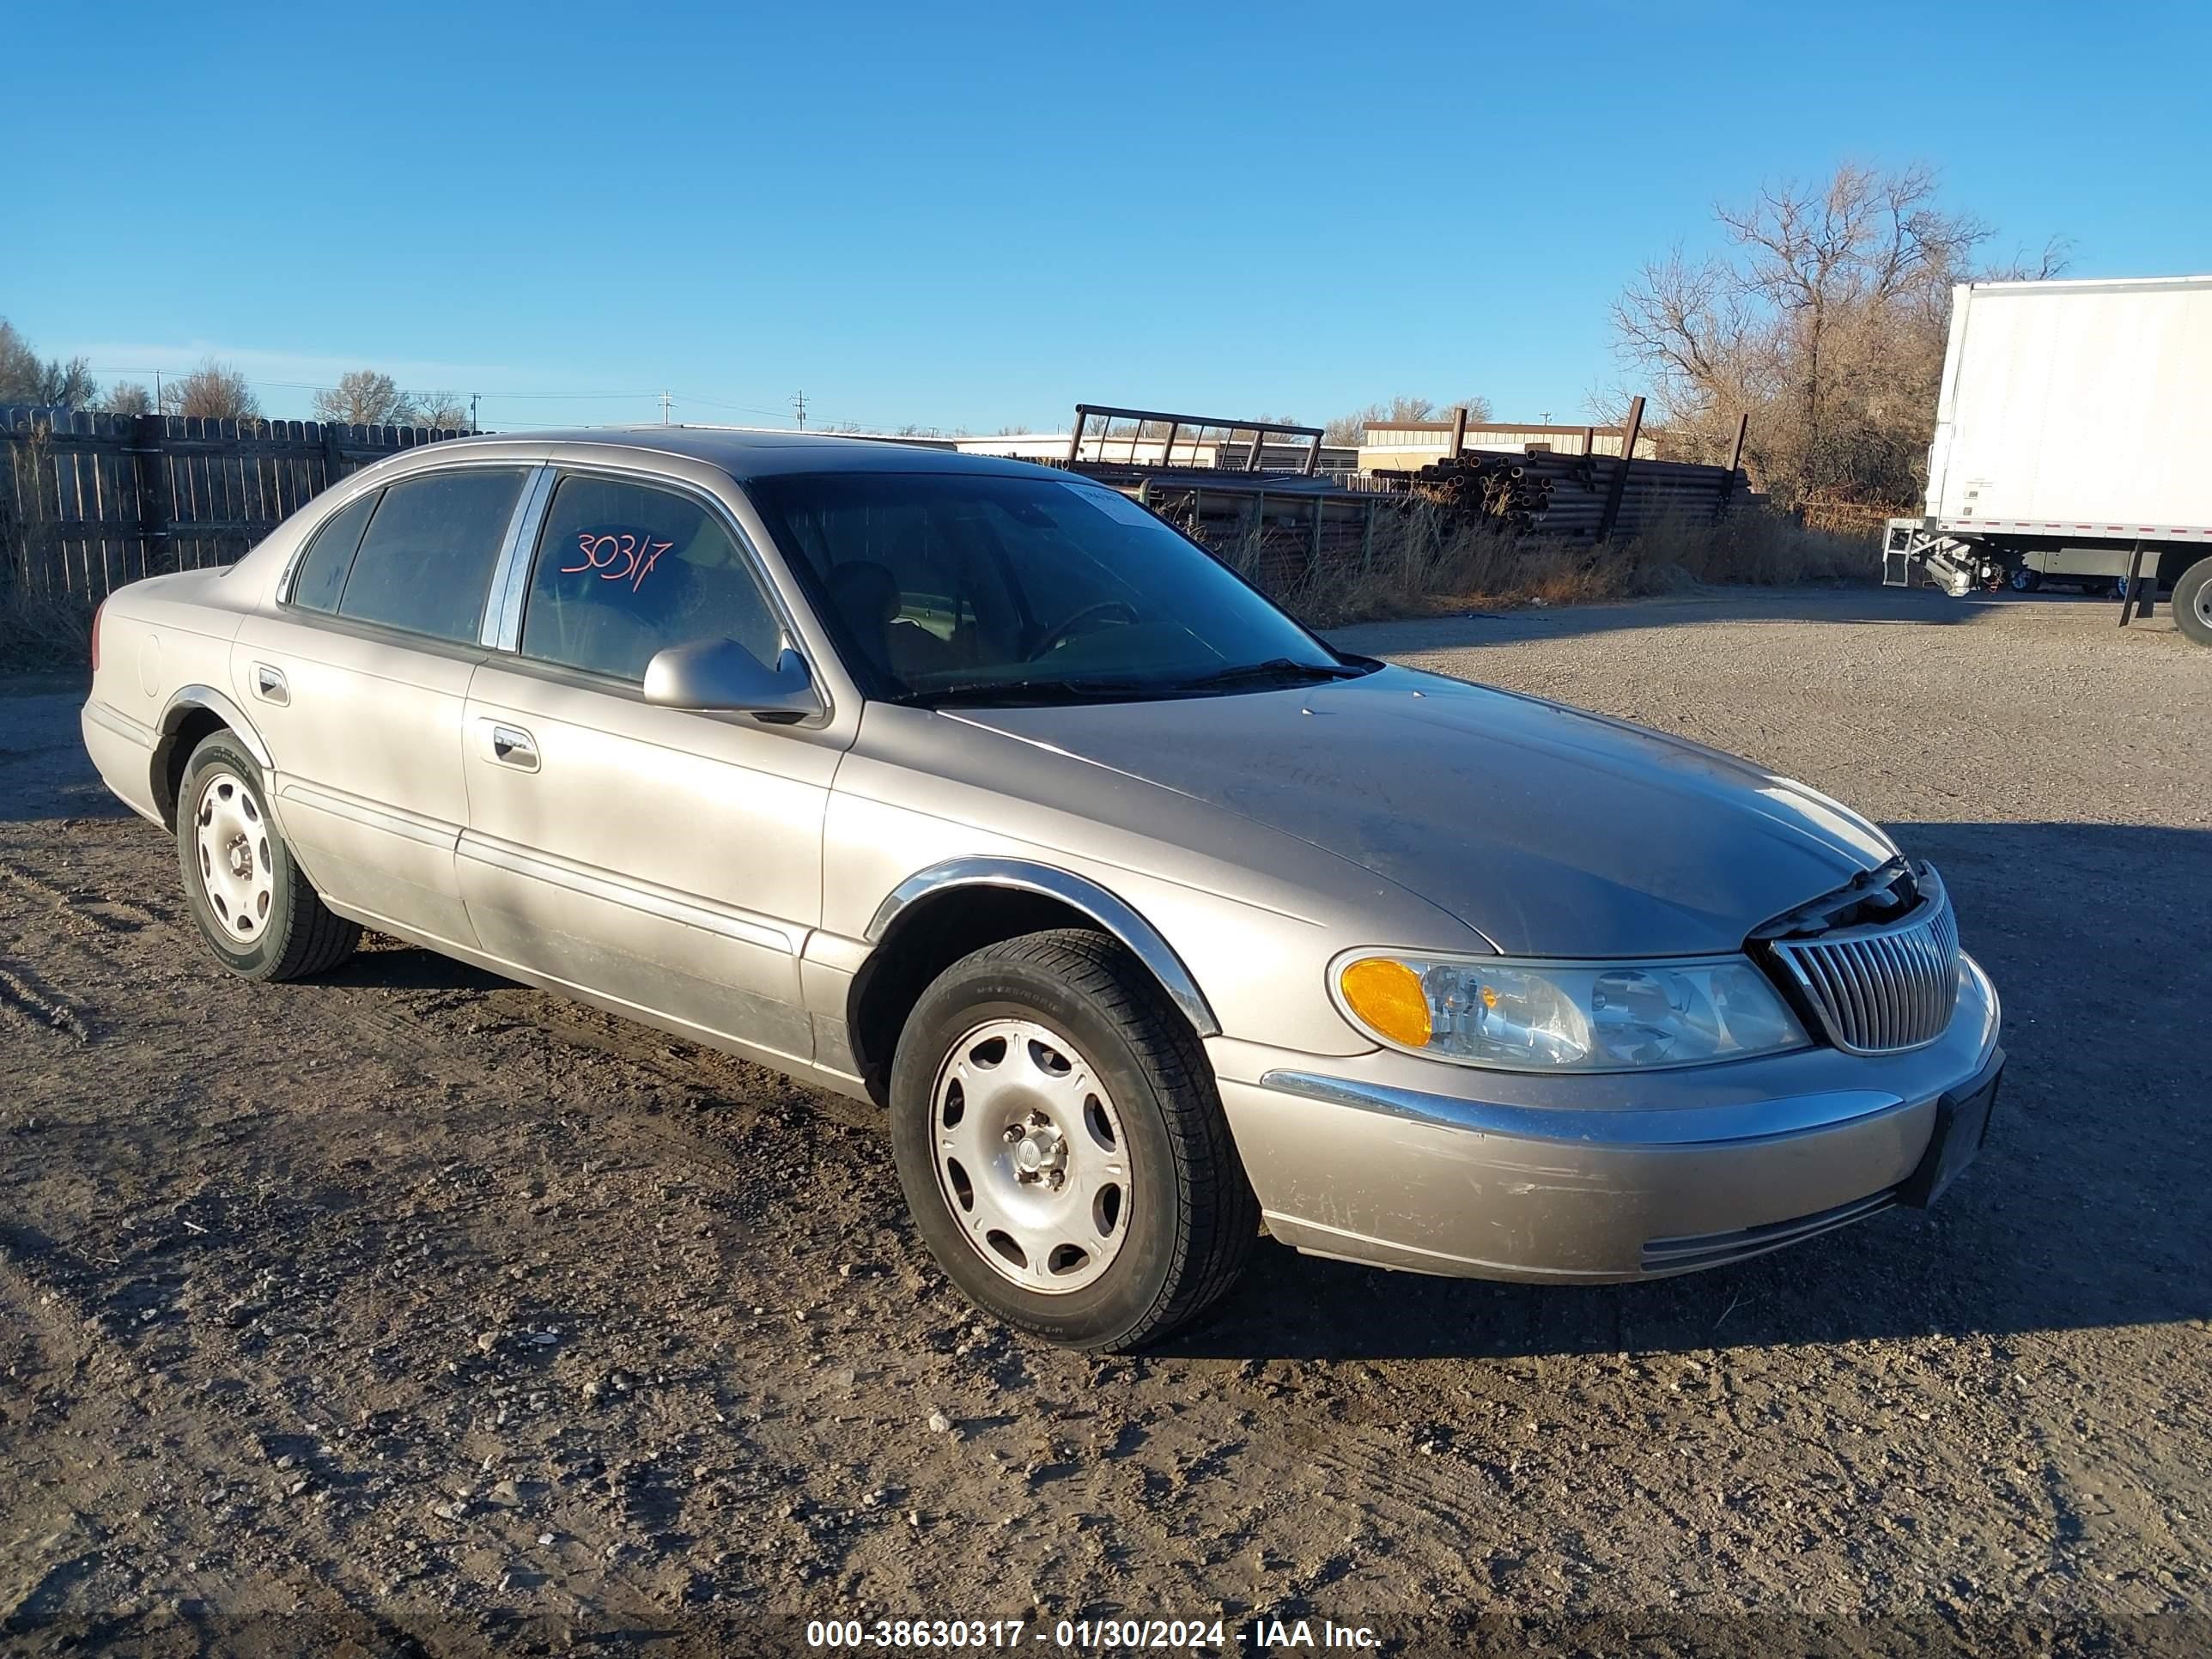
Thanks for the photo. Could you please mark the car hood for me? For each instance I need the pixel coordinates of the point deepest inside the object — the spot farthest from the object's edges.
(1552, 831)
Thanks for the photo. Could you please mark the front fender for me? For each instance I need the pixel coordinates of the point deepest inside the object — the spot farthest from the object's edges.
(1109, 911)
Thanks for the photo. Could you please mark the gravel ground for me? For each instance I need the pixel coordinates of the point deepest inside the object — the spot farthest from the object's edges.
(410, 1311)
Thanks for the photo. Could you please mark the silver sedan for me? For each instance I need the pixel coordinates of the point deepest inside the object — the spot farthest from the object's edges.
(973, 789)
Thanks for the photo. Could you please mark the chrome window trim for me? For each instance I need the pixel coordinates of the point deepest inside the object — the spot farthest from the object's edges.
(503, 598)
(509, 642)
(1083, 894)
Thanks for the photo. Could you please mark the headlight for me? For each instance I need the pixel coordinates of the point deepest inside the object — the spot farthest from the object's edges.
(1522, 1016)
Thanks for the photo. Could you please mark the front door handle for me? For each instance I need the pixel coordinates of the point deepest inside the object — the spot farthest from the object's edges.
(513, 746)
(270, 685)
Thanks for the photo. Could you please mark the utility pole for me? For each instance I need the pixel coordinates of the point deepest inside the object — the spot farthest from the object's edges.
(472, 412)
(666, 400)
(798, 408)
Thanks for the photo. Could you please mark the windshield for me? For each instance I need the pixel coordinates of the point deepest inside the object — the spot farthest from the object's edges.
(972, 588)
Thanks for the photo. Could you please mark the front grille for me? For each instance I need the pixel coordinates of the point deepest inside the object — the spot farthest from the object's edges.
(1881, 987)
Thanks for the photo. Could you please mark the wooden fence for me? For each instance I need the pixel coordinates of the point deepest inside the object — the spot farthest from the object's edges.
(89, 501)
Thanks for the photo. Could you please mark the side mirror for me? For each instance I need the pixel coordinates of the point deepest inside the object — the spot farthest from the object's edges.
(722, 677)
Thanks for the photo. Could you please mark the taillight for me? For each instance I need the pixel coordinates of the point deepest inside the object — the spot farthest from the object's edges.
(97, 612)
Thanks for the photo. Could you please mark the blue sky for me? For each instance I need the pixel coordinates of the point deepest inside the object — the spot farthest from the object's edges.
(977, 215)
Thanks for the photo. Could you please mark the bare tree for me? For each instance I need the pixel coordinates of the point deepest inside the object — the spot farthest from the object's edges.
(24, 379)
(20, 368)
(128, 397)
(362, 397)
(1825, 323)
(1350, 428)
(443, 409)
(214, 391)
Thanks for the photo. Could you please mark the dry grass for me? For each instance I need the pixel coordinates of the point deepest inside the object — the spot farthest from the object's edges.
(1427, 564)
(44, 631)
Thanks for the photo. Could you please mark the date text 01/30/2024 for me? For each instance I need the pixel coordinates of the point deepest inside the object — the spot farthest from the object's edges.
(1093, 1635)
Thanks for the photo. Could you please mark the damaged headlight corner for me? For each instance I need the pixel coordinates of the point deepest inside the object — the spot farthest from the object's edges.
(1539, 1016)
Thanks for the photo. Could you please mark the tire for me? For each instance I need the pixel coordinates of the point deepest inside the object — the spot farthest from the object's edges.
(253, 902)
(2191, 600)
(2025, 581)
(1127, 1211)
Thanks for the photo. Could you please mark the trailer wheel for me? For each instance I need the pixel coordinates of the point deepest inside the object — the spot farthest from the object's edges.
(2192, 602)
(2025, 581)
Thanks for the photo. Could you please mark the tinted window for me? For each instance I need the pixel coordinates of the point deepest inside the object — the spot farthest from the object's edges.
(960, 585)
(624, 570)
(426, 564)
(330, 556)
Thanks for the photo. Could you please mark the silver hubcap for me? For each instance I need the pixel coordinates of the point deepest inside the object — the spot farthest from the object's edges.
(232, 839)
(1030, 1156)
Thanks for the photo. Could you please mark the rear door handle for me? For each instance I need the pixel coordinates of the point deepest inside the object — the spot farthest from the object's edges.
(270, 685)
(513, 746)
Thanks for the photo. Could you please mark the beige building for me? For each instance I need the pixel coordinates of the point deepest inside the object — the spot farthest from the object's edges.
(1408, 446)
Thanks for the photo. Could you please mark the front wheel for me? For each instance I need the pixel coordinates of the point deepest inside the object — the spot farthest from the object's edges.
(2025, 581)
(1062, 1147)
(253, 904)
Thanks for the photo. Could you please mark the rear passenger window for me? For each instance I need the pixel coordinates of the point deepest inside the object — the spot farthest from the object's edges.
(330, 556)
(426, 564)
(624, 570)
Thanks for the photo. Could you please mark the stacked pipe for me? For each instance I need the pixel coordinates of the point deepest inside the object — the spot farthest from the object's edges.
(1546, 494)
(1512, 491)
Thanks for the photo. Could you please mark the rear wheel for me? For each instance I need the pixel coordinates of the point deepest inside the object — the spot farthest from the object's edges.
(252, 903)
(2025, 581)
(2192, 602)
(1062, 1147)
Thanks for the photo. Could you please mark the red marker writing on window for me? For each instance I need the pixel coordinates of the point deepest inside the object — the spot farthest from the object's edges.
(618, 556)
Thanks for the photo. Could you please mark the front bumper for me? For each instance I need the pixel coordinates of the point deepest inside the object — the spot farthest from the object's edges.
(1403, 1162)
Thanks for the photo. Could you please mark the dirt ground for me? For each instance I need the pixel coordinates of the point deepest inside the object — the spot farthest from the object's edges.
(412, 1312)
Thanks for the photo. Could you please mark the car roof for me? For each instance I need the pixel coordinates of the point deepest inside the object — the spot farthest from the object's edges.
(748, 454)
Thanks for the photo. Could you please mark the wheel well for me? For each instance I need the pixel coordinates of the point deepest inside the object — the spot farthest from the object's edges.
(174, 750)
(925, 938)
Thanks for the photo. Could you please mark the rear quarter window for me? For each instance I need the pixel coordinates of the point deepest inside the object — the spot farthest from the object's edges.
(329, 555)
(426, 564)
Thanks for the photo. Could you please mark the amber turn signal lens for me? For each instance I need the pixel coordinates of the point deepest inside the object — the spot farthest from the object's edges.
(1388, 998)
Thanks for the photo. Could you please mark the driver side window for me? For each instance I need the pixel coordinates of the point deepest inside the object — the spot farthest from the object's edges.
(624, 571)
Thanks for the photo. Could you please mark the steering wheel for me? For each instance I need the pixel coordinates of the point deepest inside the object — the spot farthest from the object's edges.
(1054, 636)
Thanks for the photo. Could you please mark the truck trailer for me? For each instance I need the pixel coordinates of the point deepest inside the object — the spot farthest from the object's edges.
(2073, 442)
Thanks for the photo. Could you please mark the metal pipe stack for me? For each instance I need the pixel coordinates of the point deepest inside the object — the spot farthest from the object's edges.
(1542, 493)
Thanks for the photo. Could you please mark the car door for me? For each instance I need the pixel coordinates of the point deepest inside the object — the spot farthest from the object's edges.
(664, 861)
(357, 683)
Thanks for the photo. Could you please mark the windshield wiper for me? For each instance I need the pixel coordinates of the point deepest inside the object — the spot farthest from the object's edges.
(1275, 668)
(989, 691)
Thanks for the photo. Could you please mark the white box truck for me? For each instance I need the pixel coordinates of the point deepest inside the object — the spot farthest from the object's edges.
(2073, 442)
